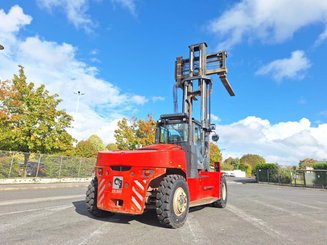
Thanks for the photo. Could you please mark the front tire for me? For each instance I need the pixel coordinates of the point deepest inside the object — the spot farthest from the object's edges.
(172, 204)
(222, 202)
(91, 200)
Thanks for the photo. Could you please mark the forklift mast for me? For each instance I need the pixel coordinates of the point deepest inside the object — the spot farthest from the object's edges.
(198, 68)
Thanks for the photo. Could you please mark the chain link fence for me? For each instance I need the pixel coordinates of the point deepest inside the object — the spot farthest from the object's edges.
(304, 178)
(12, 165)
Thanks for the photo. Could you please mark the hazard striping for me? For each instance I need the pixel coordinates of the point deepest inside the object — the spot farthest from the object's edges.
(40, 199)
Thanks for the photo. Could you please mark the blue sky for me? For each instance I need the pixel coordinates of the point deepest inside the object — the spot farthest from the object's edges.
(121, 55)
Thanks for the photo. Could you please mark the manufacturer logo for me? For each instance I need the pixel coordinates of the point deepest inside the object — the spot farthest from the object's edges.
(117, 184)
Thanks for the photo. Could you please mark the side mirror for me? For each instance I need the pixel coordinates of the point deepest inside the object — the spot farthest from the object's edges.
(215, 137)
(212, 127)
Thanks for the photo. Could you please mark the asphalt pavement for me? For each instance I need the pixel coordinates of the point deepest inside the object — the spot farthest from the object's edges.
(255, 214)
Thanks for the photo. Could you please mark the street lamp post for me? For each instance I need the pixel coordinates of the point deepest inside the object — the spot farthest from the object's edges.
(1, 47)
(79, 93)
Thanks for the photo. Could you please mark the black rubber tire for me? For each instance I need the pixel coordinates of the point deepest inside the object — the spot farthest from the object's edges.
(221, 203)
(91, 200)
(165, 198)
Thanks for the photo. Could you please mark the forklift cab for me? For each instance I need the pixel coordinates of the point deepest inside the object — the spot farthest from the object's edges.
(174, 129)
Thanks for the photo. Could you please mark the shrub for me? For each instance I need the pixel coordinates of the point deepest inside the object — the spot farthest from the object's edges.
(246, 168)
(285, 176)
(320, 166)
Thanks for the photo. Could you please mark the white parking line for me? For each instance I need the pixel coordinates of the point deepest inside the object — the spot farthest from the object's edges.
(89, 238)
(13, 224)
(53, 208)
(258, 223)
(40, 199)
(303, 205)
(192, 232)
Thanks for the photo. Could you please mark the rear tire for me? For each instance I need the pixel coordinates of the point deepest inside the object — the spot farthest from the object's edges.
(172, 204)
(91, 200)
(222, 202)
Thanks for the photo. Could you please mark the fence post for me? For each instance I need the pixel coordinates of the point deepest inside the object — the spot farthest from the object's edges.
(11, 163)
(267, 172)
(304, 182)
(60, 167)
(79, 168)
(38, 166)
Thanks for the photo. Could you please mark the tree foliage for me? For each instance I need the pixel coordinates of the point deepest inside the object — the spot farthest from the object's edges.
(246, 168)
(97, 142)
(29, 118)
(228, 160)
(135, 133)
(85, 148)
(90, 147)
(112, 147)
(252, 160)
(320, 165)
(215, 154)
(307, 162)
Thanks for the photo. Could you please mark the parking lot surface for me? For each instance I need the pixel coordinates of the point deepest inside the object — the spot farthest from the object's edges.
(255, 214)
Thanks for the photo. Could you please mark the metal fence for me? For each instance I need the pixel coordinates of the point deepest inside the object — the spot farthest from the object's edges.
(40, 165)
(304, 178)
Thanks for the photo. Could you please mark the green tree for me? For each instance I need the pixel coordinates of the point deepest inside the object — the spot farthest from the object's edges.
(97, 142)
(215, 154)
(308, 162)
(235, 163)
(146, 131)
(125, 134)
(85, 148)
(227, 166)
(246, 168)
(252, 160)
(320, 165)
(112, 147)
(30, 120)
(135, 133)
(228, 160)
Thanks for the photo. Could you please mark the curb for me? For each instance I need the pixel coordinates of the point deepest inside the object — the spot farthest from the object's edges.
(43, 180)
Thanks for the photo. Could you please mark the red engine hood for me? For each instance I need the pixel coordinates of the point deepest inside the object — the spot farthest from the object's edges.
(159, 155)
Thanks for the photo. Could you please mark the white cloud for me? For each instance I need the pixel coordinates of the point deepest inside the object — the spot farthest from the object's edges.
(292, 68)
(14, 20)
(10, 24)
(284, 142)
(128, 4)
(139, 100)
(56, 66)
(157, 98)
(76, 11)
(215, 118)
(322, 37)
(268, 21)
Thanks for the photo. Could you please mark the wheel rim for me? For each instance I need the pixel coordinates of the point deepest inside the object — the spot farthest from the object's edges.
(180, 201)
(223, 191)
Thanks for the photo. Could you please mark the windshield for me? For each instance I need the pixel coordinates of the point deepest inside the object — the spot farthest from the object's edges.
(172, 133)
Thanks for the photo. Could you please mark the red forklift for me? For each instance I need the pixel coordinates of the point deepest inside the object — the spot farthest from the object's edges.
(173, 174)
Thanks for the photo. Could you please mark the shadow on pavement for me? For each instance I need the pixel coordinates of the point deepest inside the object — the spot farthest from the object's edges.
(148, 217)
(242, 180)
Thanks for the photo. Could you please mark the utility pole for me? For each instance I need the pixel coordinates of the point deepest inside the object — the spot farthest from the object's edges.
(78, 93)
